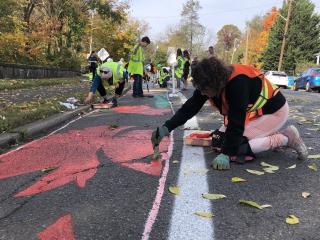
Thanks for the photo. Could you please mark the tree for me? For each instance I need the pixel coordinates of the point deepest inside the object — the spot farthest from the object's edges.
(190, 23)
(227, 36)
(303, 38)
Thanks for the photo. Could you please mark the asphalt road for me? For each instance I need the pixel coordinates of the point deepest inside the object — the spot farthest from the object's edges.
(94, 179)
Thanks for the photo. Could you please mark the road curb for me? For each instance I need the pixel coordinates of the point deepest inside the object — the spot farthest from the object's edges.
(39, 127)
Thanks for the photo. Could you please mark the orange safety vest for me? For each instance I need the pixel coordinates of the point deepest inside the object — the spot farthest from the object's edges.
(268, 90)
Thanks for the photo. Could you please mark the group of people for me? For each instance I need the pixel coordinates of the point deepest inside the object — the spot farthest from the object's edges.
(254, 109)
(112, 73)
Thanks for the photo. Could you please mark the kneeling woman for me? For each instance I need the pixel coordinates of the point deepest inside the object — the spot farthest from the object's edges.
(253, 108)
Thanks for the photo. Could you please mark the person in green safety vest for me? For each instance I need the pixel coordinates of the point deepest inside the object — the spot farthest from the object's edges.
(186, 69)
(179, 67)
(108, 74)
(136, 66)
(164, 77)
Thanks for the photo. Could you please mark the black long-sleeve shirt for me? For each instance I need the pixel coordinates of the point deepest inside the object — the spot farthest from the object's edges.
(239, 92)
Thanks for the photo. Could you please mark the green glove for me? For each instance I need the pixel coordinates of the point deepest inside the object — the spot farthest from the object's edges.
(158, 134)
(221, 162)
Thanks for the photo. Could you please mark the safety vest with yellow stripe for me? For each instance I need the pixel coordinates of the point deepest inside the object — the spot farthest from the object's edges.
(179, 69)
(117, 70)
(136, 60)
(268, 90)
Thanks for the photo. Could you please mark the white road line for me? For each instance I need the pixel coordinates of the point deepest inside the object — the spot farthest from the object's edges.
(192, 182)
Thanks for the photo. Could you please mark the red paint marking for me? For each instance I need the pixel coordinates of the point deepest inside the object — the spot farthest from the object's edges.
(143, 110)
(74, 155)
(60, 230)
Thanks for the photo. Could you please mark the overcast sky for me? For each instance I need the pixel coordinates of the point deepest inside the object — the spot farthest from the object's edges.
(213, 15)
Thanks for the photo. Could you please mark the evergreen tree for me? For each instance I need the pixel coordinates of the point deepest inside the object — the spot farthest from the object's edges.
(303, 37)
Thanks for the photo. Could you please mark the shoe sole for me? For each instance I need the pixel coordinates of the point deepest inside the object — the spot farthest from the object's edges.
(303, 154)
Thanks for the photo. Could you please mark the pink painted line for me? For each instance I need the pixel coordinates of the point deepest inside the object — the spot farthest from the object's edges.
(162, 182)
(156, 204)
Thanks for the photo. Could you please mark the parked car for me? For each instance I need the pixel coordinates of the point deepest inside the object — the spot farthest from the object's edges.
(278, 78)
(308, 80)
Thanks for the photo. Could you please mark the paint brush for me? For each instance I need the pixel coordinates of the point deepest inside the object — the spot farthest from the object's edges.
(156, 154)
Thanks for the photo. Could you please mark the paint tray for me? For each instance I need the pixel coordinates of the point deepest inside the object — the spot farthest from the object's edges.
(198, 138)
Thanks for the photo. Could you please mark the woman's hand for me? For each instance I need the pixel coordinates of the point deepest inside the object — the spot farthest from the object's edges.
(88, 98)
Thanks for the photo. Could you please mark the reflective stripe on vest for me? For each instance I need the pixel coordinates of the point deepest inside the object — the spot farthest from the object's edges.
(268, 90)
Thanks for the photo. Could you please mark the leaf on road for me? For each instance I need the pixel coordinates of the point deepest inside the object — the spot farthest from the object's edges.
(255, 172)
(204, 214)
(213, 196)
(316, 156)
(313, 166)
(250, 203)
(269, 168)
(292, 219)
(50, 169)
(305, 194)
(292, 167)
(175, 162)
(265, 206)
(174, 190)
(237, 179)
(310, 148)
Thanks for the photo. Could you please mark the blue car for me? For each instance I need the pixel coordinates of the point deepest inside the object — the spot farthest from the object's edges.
(308, 80)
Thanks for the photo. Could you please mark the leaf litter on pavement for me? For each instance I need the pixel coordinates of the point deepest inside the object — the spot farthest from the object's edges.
(174, 190)
(313, 166)
(306, 194)
(254, 204)
(237, 179)
(212, 196)
(204, 214)
(292, 219)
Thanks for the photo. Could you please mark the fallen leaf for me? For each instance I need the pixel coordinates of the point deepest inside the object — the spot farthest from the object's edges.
(174, 190)
(237, 179)
(266, 206)
(204, 214)
(292, 219)
(316, 156)
(255, 172)
(250, 203)
(305, 194)
(213, 196)
(50, 169)
(292, 167)
(310, 148)
(269, 168)
(175, 161)
(313, 166)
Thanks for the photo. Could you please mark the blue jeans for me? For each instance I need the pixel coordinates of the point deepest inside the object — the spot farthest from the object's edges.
(137, 85)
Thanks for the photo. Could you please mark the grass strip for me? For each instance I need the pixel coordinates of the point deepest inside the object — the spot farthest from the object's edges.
(8, 84)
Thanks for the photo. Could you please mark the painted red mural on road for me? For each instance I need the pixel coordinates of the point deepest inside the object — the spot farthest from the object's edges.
(60, 230)
(73, 156)
(143, 110)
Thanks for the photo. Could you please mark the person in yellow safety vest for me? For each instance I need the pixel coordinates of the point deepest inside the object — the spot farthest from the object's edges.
(254, 110)
(164, 77)
(136, 66)
(179, 67)
(109, 73)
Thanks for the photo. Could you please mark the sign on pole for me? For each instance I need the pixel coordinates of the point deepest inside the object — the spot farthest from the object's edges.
(103, 54)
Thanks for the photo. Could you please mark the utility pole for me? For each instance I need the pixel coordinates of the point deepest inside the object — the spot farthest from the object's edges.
(247, 47)
(284, 36)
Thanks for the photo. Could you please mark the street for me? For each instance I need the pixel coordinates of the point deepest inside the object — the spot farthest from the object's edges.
(94, 179)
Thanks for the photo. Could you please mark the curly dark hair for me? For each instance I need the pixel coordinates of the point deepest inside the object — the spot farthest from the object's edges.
(211, 74)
